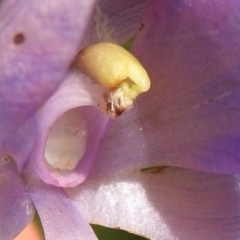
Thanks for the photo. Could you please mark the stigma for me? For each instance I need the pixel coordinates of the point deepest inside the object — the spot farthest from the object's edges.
(68, 132)
(117, 70)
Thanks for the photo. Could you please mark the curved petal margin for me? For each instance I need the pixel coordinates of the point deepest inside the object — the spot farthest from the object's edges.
(80, 96)
(59, 216)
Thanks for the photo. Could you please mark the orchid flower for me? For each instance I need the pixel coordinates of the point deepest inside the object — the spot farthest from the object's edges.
(188, 121)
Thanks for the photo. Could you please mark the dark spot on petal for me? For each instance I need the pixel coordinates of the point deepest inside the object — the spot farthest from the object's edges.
(141, 27)
(6, 159)
(19, 38)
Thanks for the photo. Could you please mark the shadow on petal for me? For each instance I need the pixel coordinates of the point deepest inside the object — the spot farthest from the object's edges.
(190, 116)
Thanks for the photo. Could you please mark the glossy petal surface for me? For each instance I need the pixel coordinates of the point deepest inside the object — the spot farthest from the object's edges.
(173, 204)
(60, 218)
(16, 210)
(38, 42)
(190, 117)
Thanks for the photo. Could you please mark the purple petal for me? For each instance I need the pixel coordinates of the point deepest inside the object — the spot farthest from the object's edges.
(74, 94)
(174, 204)
(190, 117)
(38, 42)
(60, 218)
(116, 21)
(20, 146)
(16, 208)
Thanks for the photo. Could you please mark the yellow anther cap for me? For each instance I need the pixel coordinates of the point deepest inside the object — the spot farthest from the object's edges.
(117, 70)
